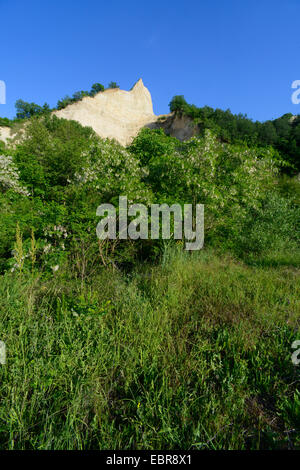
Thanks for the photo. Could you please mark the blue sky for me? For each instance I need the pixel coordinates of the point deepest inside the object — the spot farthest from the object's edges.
(243, 55)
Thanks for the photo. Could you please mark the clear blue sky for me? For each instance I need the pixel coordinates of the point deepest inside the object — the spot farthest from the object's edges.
(237, 54)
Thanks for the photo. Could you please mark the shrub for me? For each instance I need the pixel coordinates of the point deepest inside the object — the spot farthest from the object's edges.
(9, 176)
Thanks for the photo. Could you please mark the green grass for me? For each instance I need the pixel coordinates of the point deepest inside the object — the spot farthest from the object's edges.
(192, 354)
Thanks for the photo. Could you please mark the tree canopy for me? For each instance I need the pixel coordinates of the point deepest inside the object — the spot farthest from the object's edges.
(282, 133)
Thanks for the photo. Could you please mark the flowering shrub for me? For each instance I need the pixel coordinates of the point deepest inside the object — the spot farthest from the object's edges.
(9, 176)
(227, 179)
(111, 170)
(72, 171)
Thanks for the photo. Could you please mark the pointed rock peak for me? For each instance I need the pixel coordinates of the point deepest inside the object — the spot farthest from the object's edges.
(138, 84)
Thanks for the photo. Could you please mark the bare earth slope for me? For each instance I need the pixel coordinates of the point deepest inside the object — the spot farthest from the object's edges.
(114, 113)
(120, 115)
(181, 127)
(5, 133)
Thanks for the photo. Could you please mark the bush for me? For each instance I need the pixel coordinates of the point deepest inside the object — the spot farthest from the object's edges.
(96, 88)
(139, 344)
(27, 110)
(271, 228)
(52, 151)
(178, 104)
(282, 133)
(113, 85)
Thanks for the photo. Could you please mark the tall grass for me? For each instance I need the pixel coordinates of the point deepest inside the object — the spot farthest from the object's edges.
(192, 354)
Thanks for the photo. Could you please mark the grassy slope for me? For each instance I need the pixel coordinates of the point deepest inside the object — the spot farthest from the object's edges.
(192, 354)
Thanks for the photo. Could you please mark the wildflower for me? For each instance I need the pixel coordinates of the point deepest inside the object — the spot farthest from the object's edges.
(47, 248)
(9, 176)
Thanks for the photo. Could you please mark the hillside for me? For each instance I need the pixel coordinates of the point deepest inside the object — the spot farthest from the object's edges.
(5, 133)
(114, 113)
(119, 114)
(138, 343)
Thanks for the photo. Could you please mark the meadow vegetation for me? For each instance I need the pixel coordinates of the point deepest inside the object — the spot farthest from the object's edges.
(140, 344)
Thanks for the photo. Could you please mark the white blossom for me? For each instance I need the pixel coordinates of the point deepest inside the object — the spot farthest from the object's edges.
(9, 176)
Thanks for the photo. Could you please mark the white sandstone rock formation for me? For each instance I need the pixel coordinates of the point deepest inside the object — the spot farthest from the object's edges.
(5, 133)
(114, 113)
(118, 114)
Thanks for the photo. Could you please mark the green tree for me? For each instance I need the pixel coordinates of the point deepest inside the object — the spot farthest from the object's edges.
(52, 151)
(26, 110)
(96, 88)
(78, 95)
(152, 144)
(268, 133)
(113, 85)
(178, 104)
(64, 102)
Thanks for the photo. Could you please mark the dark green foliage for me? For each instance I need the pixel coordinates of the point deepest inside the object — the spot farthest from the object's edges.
(267, 133)
(113, 85)
(273, 227)
(96, 88)
(52, 152)
(78, 95)
(72, 171)
(26, 110)
(5, 122)
(178, 104)
(64, 102)
(152, 144)
(282, 133)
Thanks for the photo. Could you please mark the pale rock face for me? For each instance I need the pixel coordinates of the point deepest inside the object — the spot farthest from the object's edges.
(5, 133)
(120, 115)
(181, 127)
(114, 113)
